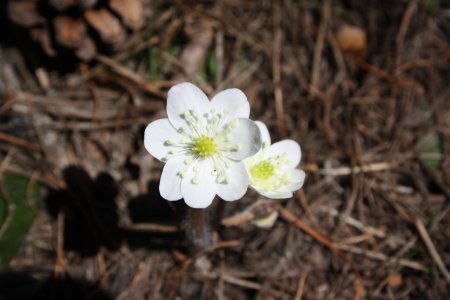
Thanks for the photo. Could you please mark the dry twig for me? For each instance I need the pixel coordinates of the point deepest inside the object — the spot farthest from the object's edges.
(432, 249)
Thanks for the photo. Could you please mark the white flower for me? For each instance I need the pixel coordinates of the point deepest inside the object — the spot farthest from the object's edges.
(203, 144)
(272, 170)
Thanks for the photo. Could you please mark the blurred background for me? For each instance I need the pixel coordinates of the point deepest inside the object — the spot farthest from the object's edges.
(363, 86)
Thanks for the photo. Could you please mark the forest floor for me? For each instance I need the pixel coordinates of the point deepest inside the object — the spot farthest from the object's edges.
(363, 86)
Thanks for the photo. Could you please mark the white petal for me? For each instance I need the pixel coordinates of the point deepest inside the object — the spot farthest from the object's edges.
(237, 182)
(297, 179)
(273, 194)
(182, 97)
(288, 147)
(202, 193)
(246, 137)
(265, 135)
(279, 195)
(155, 136)
(234, 102)
(170, 183)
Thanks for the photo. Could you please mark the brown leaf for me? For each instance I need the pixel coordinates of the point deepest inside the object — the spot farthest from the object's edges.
(62, 5)
(131, 12)
(69, 32)
(106, 25)
(24, 13)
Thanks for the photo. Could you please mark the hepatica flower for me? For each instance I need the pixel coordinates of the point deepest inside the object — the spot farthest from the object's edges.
(203, 144)
(272, 171)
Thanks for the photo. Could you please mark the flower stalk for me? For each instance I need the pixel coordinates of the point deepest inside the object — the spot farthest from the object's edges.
(197, 227)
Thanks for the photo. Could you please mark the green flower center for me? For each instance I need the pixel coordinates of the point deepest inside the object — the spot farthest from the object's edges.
(204, 146)
(262, 170)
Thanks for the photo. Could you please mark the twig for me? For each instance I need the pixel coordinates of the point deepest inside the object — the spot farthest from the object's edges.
(342, 171)
(276, 70)
(46, 179)
(187, 263)
(304, 202)
(241, 74)
(152, 227)
(31, 182)
(355, 223)
(260, 209)
(318, 48)
(286, 214)
(356, 239)
(301, 285)
(383, 257)
(87, 126)
(238, 219)
(432, 249)
(10, 211)
(60, 257)
(144, 269)
(314, 87)
(385, 76)
(223, 245)
(8, 206)
(422, 62)
(406, 20)
(130, 75)
(13, 140)
(241, 282)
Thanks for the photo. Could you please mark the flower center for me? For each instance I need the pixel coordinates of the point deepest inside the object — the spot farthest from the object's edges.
(262, 170)
(204, 146)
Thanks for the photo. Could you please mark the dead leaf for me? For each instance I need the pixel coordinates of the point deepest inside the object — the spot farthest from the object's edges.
(24, 13)
(69, 32)
(130, 11)
(107, 25)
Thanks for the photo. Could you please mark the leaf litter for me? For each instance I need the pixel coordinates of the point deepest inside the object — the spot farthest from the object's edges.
(362, 86)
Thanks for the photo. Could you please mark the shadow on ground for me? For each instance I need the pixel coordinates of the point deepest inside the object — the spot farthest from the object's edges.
(91, 218)
(24, 285)
(90, 211)
(152, 208)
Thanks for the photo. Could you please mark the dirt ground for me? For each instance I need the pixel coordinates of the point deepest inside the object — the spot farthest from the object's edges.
(363, 86)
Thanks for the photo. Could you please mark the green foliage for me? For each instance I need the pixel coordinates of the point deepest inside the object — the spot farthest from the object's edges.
(16, 214)
(431, 154)
(156, 64)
